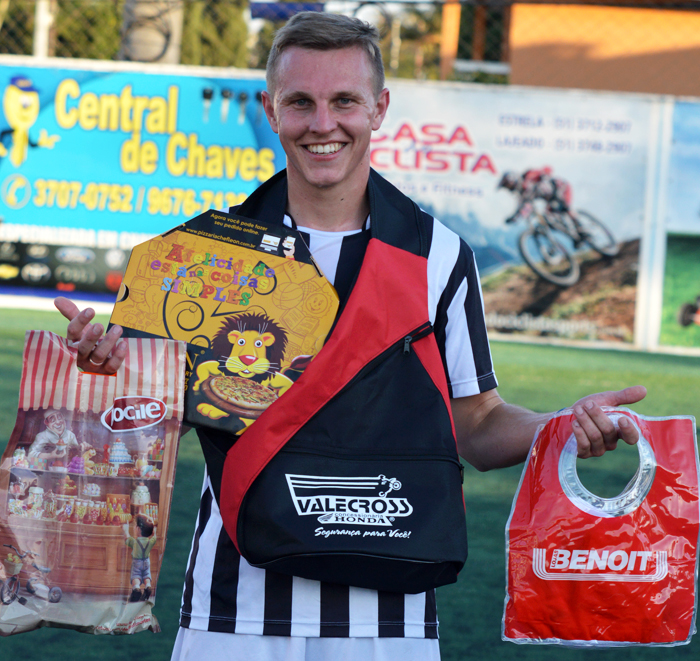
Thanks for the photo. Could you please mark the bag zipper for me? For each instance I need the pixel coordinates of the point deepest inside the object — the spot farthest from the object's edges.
(405, 343)
(422, 331)
(378, 457)
(375, 457)
(419, 333)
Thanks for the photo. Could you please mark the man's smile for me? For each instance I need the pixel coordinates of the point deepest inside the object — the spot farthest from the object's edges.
(330, 148)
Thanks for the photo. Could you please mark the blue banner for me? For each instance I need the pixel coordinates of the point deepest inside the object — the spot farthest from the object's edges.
(102, 158)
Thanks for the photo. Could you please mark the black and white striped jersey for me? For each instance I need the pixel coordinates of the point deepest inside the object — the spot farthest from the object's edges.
(224, 593)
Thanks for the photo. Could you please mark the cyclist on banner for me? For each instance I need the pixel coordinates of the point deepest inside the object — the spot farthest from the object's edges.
(555, 230)
(539, 184)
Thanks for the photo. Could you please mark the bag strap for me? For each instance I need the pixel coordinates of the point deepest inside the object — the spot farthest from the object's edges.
(335, 365)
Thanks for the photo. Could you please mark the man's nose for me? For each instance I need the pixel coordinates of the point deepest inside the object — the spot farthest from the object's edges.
(323, 120)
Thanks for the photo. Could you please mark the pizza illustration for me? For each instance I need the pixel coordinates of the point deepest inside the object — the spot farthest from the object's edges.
(235, 394)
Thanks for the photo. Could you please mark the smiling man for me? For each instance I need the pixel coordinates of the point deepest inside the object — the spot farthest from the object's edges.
(324, 105)
(325, 97)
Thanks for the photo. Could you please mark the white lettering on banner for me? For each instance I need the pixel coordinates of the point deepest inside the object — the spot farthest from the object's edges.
(72, 236)
(334, 505)
(615, 565)
(518, 141)
(520, 120)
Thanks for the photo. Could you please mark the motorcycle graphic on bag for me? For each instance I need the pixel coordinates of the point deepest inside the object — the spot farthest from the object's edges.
(554, 230)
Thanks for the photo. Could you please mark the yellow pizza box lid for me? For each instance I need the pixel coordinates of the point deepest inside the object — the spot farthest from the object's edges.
(244, 294)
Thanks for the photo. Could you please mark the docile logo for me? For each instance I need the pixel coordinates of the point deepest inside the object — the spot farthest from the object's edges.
(133, 413)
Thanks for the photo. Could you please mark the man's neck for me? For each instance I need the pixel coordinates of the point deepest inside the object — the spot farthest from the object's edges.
(334, 209)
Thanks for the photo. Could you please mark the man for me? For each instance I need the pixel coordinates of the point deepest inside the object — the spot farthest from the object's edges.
(325, 96)
(56, 440)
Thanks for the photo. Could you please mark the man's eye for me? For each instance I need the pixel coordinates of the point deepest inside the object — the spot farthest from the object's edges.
(301, 102)
(344, 102)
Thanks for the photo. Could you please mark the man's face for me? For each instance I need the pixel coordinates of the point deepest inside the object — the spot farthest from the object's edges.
(324, 111)
(56, 423)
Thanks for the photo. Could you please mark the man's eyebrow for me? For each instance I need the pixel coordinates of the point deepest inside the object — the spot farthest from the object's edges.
(352, 94)
(296, 94)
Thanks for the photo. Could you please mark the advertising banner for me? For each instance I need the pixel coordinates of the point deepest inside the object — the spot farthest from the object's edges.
(103, 158)
(551, 188)
(557, 238)
(680, 321)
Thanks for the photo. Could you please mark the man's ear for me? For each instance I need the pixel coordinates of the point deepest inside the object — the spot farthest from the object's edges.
(269, 106)
(380, 111)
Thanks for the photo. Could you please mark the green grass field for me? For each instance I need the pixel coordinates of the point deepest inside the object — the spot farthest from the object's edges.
(539, 377)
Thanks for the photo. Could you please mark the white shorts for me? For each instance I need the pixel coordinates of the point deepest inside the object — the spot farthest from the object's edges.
(195, 645)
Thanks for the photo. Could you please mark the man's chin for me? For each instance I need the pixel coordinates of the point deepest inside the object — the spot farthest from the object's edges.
(326, 179)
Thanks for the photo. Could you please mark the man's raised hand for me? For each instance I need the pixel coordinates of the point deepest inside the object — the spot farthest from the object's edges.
(97, 353)
(595, 432)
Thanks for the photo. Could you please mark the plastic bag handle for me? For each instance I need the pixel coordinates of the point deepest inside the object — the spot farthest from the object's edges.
(633, 494)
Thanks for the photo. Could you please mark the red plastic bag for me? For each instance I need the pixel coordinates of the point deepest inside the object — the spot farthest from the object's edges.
(85, 488)
(590, 571)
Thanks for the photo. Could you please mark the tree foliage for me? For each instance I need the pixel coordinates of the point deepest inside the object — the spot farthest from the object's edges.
(88, 29)
(16, 27)
(215, 34)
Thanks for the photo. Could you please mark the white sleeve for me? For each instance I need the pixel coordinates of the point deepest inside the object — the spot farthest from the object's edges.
(457, 314)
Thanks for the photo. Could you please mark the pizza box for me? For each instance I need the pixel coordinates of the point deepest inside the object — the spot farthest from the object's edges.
(248, 299)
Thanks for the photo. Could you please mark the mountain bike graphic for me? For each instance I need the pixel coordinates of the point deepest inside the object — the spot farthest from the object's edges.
(554, 231)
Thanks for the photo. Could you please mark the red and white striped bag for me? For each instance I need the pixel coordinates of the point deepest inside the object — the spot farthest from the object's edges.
(85, 487)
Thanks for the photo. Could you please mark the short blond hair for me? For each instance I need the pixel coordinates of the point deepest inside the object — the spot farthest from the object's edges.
(321, 31)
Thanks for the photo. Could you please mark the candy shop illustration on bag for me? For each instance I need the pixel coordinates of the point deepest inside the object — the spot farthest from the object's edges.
(590, 571)
(85, 488)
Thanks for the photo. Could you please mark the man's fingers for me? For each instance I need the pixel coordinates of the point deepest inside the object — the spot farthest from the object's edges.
(102, 350)
(66, 307)
(80, 325)
(98, 354)
(603, 423)
(592, 435)
(628, 432)
(621, 397)
(114, 362)
(583, 445)
(634, 394)
(596, 433)
(106, 356)
(89, 341)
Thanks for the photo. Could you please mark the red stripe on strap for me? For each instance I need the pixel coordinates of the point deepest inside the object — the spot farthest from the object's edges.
(371, 309)
(429, 355)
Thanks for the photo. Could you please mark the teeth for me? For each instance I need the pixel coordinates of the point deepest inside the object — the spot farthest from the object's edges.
(325, 149)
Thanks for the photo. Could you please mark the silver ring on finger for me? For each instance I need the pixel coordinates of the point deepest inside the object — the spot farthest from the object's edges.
(96, 362)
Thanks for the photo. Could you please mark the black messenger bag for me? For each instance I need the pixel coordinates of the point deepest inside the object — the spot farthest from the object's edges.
(353, 476)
